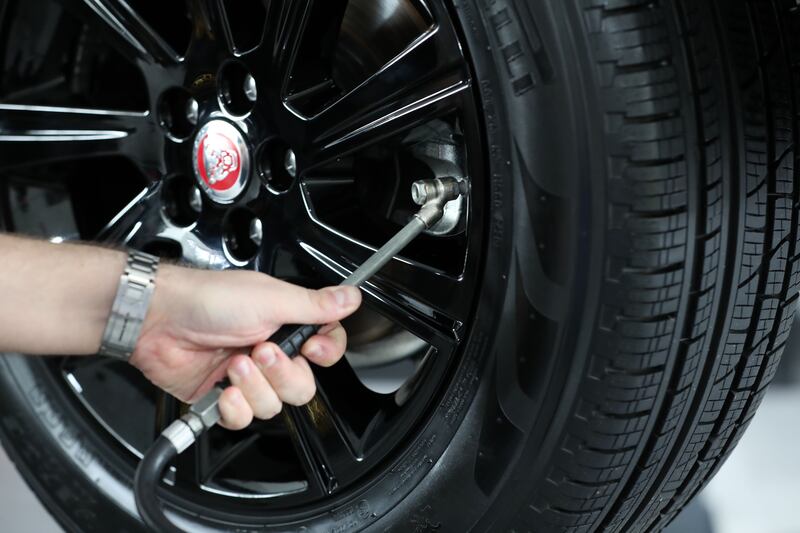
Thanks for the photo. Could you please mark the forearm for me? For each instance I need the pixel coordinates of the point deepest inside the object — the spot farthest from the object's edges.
(56, 298)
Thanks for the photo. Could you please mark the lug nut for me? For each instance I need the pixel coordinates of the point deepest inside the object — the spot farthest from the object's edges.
(178, 113)
(256, 233)
(195, 200)
(237, 88)
(181, 200)
(242, 234)
(192, 111)
(277, 166)
(250, 89)
(290, 163)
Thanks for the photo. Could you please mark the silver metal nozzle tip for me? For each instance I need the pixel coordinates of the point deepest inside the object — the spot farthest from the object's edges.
(419, 192)
(438, 190)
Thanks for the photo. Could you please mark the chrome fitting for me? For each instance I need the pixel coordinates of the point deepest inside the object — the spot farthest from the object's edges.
(201, 417)
(437, 190)
(194, 422)
(207, 408)
(180, 435)
(433, 194)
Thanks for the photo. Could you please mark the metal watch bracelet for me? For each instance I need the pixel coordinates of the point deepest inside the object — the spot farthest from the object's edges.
(136, 287)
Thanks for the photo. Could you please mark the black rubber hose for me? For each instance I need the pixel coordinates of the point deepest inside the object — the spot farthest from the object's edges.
(148, 476)
(151, 469)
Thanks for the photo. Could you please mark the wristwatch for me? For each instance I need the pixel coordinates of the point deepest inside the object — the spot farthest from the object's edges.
(136, 286)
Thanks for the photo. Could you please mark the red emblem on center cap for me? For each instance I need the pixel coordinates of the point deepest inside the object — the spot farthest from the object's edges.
(221, 161)
(218, 161)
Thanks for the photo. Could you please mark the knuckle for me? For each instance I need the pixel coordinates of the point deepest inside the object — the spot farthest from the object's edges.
(238, 359)
(316, 299)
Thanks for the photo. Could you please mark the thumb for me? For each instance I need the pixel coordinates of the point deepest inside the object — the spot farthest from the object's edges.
(298, 305)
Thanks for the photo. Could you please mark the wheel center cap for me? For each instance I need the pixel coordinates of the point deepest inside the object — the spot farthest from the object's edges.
(221, 161)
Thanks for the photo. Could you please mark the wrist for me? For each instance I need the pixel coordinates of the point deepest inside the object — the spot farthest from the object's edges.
(99, 308)
(171, 290)
(99, 285)
(167, 287)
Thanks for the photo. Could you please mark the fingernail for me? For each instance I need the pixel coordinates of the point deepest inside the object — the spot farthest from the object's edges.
(241, 368)
(265, 356)
(346, 296)
(340, 297)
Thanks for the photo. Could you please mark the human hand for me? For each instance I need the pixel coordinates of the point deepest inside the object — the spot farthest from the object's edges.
(204, 325)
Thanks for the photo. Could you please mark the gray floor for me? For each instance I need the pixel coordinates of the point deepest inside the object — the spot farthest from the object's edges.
(757, 491)
(758, 488)
(21, 512)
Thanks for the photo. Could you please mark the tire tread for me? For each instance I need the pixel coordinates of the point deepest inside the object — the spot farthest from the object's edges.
(702, 259)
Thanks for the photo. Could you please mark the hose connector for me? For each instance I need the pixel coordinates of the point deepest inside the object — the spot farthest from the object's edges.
(201, 417)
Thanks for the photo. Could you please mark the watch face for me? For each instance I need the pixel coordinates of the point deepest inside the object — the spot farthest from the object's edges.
(221, 161)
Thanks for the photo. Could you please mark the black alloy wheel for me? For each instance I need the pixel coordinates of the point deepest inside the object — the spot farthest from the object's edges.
(578, 346)
(267, 137)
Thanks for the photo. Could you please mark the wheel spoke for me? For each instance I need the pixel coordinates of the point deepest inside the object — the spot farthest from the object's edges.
(194, 465)
(209, 465)
(295, 24)
(355, 409)
(127, 32)
(426, 81)
(313, 456)
(426, 302)
(168, 409)
(137, 223)
(324, 444)
(34, 135)
(108, 387)
(74, 364)
(211, 23)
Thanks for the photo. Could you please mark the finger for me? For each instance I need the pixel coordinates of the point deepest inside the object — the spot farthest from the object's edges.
(291, 379)
(234, 410)
(257, 391)
(298, 305)
(327, 348)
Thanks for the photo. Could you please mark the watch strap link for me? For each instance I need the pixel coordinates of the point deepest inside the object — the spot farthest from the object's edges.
(136, 287)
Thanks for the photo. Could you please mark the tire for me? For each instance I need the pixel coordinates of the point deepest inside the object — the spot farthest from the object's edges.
(637, 294)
